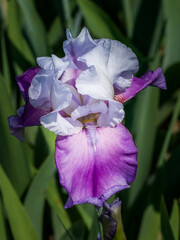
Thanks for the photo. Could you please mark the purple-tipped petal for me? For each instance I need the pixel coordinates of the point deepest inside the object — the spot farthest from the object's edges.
(24, 80)
(95, 163)
(151, 78)
(27, 116)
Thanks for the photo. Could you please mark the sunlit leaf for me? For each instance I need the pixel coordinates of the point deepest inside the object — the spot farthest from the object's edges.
(35, 198)
(20, 223)
(175, 220)
(2, 223)
(34, 27)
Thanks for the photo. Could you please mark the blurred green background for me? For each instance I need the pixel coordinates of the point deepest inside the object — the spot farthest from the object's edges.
(31, 199)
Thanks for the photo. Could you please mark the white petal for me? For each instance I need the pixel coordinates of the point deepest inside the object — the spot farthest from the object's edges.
(95, 84)
(75, 100)
(60, 95)
(40, 89)
(45, 63)
(60, 125)
(81, 111)
(116, 60)
(114, 115)
(78, 46)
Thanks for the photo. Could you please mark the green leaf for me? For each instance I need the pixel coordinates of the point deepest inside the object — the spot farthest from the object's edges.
(127, 6)
(94, 227)
(58, 227)
(98, 22)
(86, 212)
(2, 223)
(169, 132)
(166, 230)
(20, 223)
(77, 231)
(15, 32)
(55, 32)
(175, 220)
(35, 198)
(14, 157)
(172, 46)
(144, 129)
(56, 204)
(5, 63)
(150, 224)
(34, 28)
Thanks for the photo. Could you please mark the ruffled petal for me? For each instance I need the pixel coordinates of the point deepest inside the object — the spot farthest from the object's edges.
(60, 96)
(61, 125)
(27, 116)
(95, 84)
(40, 90)
(91, 174)
(78, 46)
(81, 111)
(115, 60)
(114, 115)
(151, 78)
(24, 80)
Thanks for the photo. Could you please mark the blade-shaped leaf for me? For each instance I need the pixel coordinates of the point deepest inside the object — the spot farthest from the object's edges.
(56, 203)
(150, 224)
(98, 22)
(34, 27)
(35, 198)
(172, 46)
(20, 223)
(144, 129)
(2, 223)
(14, 157)
(175, 220)
(165, 225)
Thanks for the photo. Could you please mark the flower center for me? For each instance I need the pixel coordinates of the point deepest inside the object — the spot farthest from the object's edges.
(90, 119)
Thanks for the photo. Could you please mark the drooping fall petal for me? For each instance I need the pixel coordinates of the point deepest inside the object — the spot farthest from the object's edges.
(95, 163)
(151, 78)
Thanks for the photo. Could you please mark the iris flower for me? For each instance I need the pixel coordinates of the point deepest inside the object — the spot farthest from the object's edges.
(79, 97)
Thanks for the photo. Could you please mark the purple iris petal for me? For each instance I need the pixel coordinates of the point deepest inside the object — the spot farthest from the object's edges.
(24, 80)
(151, 78)
(27, 115)
(96, 163)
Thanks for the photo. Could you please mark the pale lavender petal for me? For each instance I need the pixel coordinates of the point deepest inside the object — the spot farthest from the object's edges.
(115, 60)
(63, 126)
(70, 75)
(95, 84)
(114, 115)
(77, 47)
(40, 90)
(27, 116)
(60, 96)
(151, 78)
(24, 80)
(81, 111)
(91, 174)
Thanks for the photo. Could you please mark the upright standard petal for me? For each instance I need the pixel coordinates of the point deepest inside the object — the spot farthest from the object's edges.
(75, 48)
(95, 163)
(151, 78)
(115, 60)
(95, 84)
